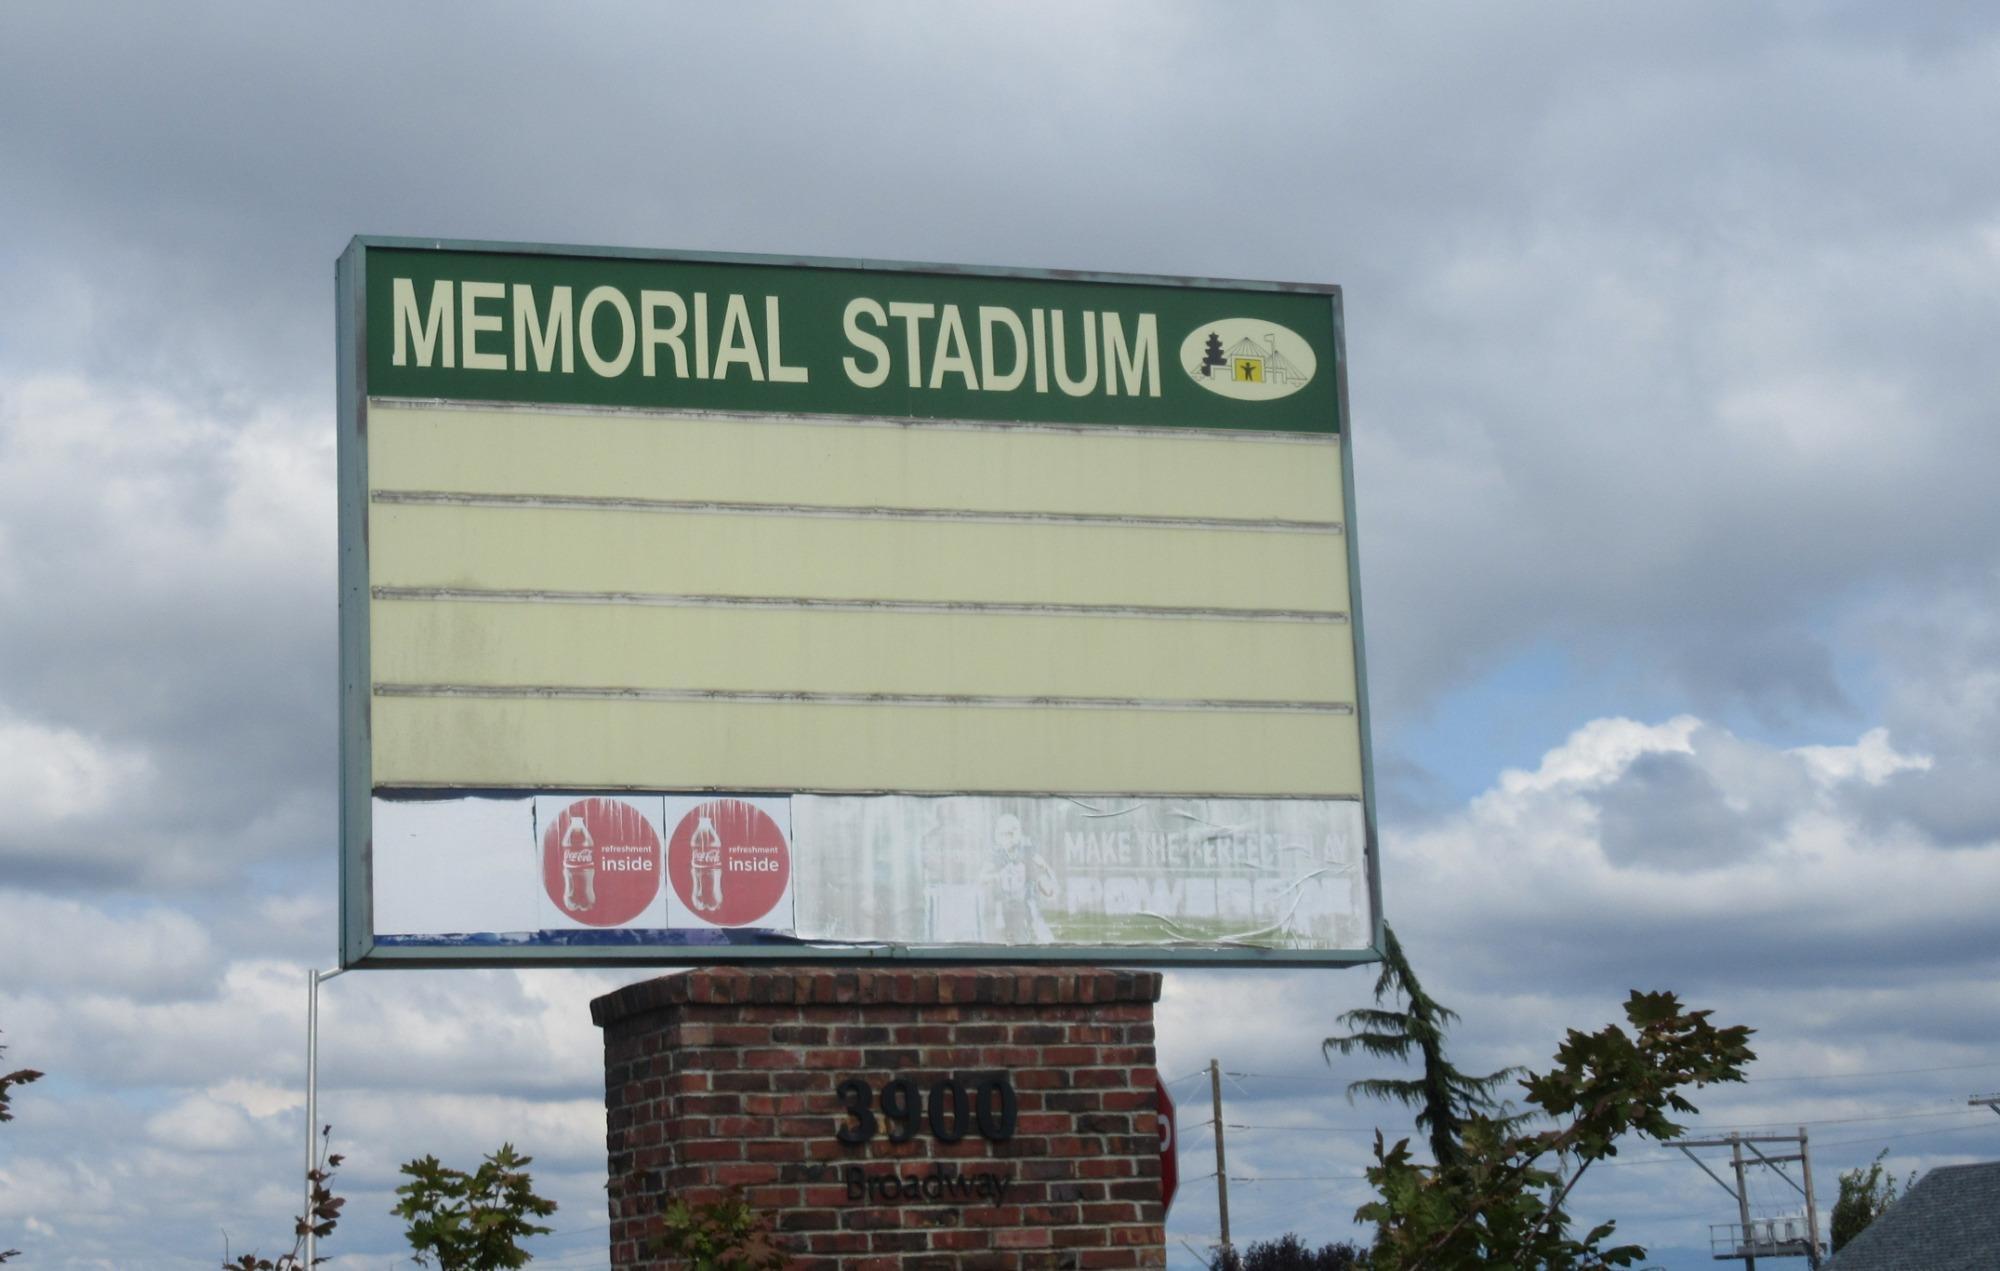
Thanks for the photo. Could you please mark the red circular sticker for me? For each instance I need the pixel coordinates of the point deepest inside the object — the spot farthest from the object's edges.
(601, 862)
(728, 862)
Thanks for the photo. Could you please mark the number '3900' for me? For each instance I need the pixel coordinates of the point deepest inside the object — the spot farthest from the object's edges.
(949, 1108)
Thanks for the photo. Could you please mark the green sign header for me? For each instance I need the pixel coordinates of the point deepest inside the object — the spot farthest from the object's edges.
(569, 327)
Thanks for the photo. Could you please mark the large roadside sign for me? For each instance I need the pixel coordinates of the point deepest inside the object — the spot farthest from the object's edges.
(719, 608)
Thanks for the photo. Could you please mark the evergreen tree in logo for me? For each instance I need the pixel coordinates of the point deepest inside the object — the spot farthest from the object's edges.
(1212, 356)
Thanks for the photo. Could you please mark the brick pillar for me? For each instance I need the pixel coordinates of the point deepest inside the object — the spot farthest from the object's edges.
(734, 1078)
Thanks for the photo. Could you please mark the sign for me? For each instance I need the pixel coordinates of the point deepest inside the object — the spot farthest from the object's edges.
(729, 863)
(705, 608)
(1170, 1161)
(954, 1108)
(601, 861)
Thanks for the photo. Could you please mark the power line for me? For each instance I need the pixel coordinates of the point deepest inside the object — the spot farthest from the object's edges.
(1601, 1164)
(1886, 1116)
(1314, 1079)
(1877, 1138)
(1328, 1076)
(1733, 1125)
(1878, 1072)
(1308, 1129)
(1915, 1134)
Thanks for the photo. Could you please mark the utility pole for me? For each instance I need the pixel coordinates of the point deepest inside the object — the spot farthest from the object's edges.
(1744, 1243)
(1812, 1203)
(1742, 1200)
(1221, 1163)
(1991, 1102)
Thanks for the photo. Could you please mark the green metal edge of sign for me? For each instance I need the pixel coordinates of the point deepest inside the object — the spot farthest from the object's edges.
(356, 343)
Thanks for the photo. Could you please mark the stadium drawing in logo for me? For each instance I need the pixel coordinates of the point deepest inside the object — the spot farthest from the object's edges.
(1249, 359)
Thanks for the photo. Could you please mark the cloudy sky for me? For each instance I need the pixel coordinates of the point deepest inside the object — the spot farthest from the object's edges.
(1670, 331)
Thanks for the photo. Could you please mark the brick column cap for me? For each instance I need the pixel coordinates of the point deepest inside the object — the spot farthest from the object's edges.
(842, 986)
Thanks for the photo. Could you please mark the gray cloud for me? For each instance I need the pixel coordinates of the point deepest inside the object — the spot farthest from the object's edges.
(168, 578)
(1638, 289)
(1941, 654)
(1666, 812)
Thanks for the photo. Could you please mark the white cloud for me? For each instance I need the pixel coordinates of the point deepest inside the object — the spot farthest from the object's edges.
(1538, 844)
(146, 951)
(199, 1123)
(1871, 760)
(180, 573)
(52, 774)
(258, 1098)
(458, 1128)
(1515, 913)
(244, 1026)
(35, 1190)
(1597, 753)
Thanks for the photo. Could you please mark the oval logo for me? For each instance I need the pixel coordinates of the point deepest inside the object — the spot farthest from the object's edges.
(1249, 359)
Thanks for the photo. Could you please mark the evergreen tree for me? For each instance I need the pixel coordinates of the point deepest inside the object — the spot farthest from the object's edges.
(1443, 1096)
(1289, 1253)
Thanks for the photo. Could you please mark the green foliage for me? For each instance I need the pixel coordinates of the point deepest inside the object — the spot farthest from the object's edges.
(1289, 1253)
(320, 1221)
(472, 1222)
(19, 1077)
(1500, 1202)
(723, 1235)
(1443, 1096)
(1864, 1194)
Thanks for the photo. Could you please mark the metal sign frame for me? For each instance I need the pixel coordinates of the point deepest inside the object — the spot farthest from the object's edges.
(359, 946)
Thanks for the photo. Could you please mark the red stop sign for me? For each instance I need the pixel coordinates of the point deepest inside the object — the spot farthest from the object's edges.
(1170, 1170)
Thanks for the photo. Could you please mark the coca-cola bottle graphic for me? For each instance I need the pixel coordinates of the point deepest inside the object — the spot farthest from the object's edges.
(579, 867)
(707, 866)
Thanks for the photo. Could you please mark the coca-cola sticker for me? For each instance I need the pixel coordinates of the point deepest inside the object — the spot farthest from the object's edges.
(601, 862)
(728, 862)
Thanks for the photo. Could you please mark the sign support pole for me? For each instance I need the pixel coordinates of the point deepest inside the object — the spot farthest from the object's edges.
(313, 980)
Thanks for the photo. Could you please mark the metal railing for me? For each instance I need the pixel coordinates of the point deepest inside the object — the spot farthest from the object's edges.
(1782, 1237)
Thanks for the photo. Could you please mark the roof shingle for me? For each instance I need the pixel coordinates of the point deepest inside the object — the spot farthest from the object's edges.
(1948, 1221)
